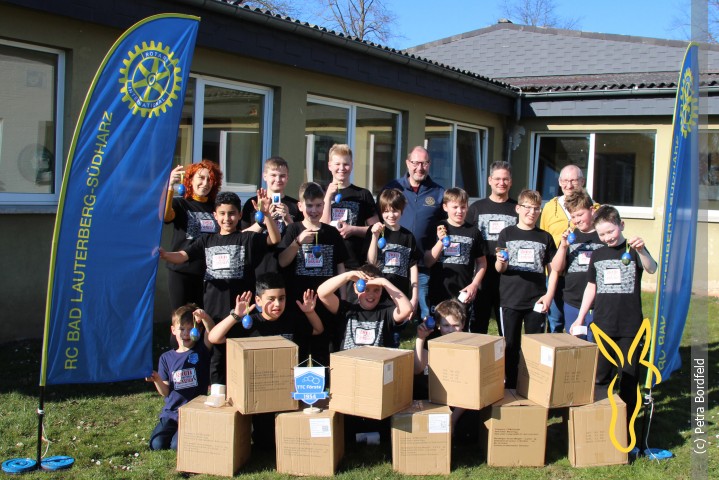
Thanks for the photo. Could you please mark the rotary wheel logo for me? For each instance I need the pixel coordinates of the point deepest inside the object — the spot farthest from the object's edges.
(688, 108)
(150, 79)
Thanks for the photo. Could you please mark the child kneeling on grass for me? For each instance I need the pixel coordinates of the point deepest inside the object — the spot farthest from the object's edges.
(182, 374)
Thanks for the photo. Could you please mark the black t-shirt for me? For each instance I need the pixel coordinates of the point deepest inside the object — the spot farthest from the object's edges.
(454, 269)
(192, 219)
(524, 281)
(285, 326)
(248, 214)
(399, 255)
(230, 267)
(490, 218)
(578, 255)
(365, 327)
(355, 207)
(618, 302)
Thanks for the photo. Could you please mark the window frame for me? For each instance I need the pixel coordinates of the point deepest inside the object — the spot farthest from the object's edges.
(198, 125)
(28, 200)
(483, 154)
(626, 211)
(351, 108)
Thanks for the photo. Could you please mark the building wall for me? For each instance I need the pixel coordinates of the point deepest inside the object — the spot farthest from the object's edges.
(26, 233)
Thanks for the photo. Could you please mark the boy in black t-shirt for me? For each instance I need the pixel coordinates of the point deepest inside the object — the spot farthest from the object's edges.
(311, 252)
(457, 257)
(523, 294)
(283, 209)
(270, 320)
(365, 322)
(231, 257)
(575, 256)
(614, 286)
(349, 208)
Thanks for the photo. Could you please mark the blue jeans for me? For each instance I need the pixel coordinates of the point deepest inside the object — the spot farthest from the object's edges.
(164, 436)
(556, 310)
(571, 314)
(423, 292)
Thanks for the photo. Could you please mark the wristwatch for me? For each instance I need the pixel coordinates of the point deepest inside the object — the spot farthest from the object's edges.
(235, 316)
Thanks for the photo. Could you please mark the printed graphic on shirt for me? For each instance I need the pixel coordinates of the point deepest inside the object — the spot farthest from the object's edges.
(345, 211)
(491, 224)
(579, 256)
(458, 250)
(225, 262)
(526, 256)
(199, 223)
(309, 265)
(184, 378)
(395, 259)
(359, 333)
(615, 277)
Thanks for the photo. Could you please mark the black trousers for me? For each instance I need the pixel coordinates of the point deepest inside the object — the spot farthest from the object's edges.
(512, 320)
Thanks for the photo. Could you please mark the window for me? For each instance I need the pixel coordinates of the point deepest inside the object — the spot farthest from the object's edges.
(371, 132)
(618, 167)
(458, 154)
(234, 130)
(31, 150)
(709, 175)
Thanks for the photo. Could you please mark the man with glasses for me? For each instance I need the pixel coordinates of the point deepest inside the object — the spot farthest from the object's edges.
(555, 220)
(423, 210)
(491, 215)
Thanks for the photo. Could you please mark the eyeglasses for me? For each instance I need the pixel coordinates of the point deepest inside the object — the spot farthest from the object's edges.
(567, 182)
(416, 164)
(530, 208)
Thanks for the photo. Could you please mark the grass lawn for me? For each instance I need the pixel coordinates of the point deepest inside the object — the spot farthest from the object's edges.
(106, 427)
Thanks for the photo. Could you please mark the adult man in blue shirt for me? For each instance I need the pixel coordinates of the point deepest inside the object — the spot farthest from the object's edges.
(423, 210)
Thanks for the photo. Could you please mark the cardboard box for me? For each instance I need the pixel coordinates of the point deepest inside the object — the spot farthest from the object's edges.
(514, 432)
(309, 444)
(371, 382)
(260, 376)
(589, 429)
(422, 439)
(212, 440)
(557, 370)
(466, 370)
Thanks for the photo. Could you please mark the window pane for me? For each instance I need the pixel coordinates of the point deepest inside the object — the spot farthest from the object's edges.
(375, 153)
(232, 133)
(709, 170)
(326, 125)
(183, 148)
(437, 135)
(623, 168)
(554, 154)
(27, 121)
(468, 161)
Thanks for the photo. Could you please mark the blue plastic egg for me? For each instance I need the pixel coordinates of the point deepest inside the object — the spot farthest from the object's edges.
(194, 334)
(361, 285)
(181, 189)
(446, 241)
(247, 322)
(381, 243)
(430, 323)
(338, 198)
(571, 238)
(259, 216)
(626, 258)
(504, 254)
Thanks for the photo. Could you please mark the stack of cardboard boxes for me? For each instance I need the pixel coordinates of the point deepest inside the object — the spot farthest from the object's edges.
(465, 370)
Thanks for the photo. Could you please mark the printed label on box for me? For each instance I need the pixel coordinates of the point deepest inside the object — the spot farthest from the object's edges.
(438, 423)
(546, 356)
(388, 372)
(320, 427)
(498, 350)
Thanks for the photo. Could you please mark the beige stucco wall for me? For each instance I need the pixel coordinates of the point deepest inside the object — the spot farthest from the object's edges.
(25, 237)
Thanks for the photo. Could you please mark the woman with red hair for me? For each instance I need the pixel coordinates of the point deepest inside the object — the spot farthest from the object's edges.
(191, 215)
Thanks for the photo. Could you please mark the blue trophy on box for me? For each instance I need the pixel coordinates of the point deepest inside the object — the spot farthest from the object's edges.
(309, 385)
